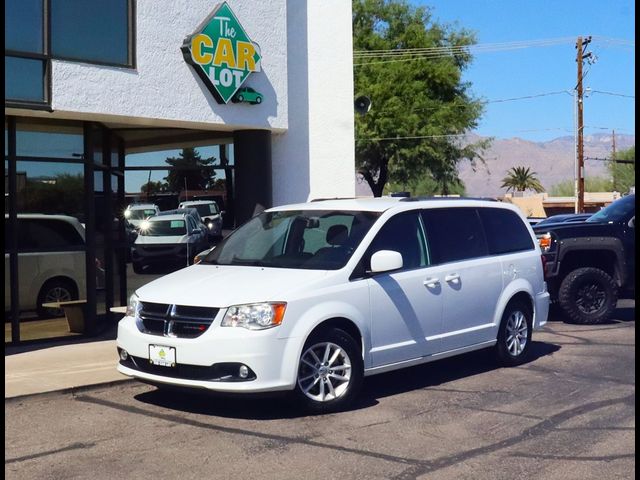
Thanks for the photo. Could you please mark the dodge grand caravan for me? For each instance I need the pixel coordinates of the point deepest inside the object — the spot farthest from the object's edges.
(311, 298)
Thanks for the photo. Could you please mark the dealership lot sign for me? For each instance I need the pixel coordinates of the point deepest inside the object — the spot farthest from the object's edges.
(221, 53)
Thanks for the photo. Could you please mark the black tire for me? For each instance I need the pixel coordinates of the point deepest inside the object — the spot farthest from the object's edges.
(512, 351)
(345, 391)
(57, 289)
(137, 267)
(588, 295)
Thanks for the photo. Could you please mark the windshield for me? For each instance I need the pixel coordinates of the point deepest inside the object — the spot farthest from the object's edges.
(318, 240)
(620, 210)
(162, 228)
(205, 209)
(139, 214)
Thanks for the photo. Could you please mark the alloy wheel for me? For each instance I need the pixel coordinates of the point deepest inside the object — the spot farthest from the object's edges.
(517, 333)
(324, 372)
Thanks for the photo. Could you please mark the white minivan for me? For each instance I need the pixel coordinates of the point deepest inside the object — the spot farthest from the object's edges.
(313, 297)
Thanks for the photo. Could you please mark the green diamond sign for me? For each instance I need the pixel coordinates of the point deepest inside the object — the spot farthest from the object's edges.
(222, 54)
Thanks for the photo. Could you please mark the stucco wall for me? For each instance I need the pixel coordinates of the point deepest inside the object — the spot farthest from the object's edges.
(315, 158)
(163, 89)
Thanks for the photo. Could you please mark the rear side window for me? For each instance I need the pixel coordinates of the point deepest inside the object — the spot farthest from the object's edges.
(36, 234)
(505, 231)
(454, 234)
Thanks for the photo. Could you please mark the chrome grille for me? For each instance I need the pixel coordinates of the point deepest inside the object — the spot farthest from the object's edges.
(175, 320)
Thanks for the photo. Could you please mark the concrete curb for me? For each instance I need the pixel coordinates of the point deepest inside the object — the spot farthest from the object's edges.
(68, 390)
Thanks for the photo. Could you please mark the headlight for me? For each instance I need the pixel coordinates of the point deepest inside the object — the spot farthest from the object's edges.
(545, 240)
(133, 308)
(210, 225)
(255, 316)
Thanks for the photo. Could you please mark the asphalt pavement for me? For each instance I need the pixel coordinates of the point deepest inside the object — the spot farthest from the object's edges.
(569, 413)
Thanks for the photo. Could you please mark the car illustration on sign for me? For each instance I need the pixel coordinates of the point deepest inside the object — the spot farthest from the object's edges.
(247, 94)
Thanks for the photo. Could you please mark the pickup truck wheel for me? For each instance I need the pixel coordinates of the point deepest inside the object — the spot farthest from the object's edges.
(588, 295)
(330, 372)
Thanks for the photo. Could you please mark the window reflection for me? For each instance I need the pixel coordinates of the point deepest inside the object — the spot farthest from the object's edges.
(43, 139)
(23, 79)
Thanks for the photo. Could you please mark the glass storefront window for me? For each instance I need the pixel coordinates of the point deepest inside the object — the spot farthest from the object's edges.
(24, 79)
(92, 30)
(50, 188)
(43, 139)
(23, 25)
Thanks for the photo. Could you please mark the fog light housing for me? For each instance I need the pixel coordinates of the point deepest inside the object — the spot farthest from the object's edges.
(243, 372)
(124, 355)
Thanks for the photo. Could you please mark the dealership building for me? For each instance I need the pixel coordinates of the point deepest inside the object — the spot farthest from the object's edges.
(94, 87)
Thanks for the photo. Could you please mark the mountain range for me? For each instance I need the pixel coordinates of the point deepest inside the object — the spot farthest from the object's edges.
(553, 161)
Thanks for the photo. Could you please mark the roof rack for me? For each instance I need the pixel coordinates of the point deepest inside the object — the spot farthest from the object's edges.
(417, 199)
(334, 198)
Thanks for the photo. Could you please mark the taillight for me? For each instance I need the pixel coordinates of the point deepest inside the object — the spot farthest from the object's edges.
(545, 242)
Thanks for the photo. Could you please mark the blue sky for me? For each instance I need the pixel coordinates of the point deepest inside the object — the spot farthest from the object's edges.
(508, 74)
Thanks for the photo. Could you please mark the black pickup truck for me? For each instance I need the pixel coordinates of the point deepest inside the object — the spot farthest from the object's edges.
(589, 264)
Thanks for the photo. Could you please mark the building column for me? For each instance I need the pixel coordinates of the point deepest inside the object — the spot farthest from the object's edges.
(252, 157)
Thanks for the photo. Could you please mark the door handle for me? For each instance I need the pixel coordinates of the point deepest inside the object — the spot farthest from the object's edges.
(452, 277)
(431, 282)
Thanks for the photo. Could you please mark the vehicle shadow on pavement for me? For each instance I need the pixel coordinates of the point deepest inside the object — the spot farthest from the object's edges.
(282, 406)
(623, 313)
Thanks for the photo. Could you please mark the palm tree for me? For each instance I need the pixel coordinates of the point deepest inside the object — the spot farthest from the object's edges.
(521, 179)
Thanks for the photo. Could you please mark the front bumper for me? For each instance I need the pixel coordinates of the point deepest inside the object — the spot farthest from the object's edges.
(272, 360)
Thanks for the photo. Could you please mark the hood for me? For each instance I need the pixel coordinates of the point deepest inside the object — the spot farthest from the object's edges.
(577, 229)
(223, 286)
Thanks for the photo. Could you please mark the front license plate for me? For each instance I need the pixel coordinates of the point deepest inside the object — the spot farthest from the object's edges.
(161, 355)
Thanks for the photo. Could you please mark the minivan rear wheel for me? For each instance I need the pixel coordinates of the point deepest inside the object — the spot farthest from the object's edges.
(330, 372)
(57, 290)
(514, 336)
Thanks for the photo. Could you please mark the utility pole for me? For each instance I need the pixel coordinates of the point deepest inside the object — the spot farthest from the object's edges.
(613, 144)
(581, 45)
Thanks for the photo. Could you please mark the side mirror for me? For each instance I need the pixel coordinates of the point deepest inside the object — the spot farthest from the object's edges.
(195, 231)
(386, 261)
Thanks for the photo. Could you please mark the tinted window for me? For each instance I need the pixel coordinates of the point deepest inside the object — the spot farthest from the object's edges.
(401, 233)
(161, 228)
(505, 231)
(94, 30)
(622, 209)
(36, 234)
(24, 79)
(454, 234)
(23, 25)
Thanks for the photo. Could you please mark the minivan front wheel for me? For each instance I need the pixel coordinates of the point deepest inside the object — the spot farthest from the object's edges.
(514, 336)
(330, 371)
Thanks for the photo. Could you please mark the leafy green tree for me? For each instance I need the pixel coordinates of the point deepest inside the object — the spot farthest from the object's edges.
(520, 179)
(591, 184)
(61, 194)
(420, 106)
(425, 185)
(198, 172)
(624, 174)
(152, 187)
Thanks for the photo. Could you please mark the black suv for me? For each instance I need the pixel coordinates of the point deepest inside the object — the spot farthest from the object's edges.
(588, 264)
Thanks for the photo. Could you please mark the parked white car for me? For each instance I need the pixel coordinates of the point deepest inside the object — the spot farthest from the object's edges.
(137, 212)
(313, 297)
(54, 275)
(168, 239)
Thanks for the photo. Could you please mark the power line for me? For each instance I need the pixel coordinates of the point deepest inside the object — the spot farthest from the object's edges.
(611, 160)
(613, 94)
